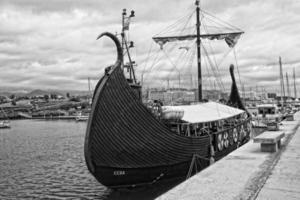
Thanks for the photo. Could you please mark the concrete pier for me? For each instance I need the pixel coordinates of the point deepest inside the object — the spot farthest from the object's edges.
(284, 181)
(248, 173)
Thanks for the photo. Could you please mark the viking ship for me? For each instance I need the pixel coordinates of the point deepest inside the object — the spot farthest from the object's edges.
(128, 144)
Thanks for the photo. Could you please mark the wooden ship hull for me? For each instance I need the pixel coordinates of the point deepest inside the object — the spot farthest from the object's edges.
(126, 145)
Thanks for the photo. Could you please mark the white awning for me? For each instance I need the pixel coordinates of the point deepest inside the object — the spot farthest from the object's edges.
(208, 112)
(266, 106)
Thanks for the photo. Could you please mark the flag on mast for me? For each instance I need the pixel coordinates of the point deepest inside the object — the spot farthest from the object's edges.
(126, 23)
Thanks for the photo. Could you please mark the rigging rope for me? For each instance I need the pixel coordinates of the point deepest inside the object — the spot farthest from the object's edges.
(188, 20)
(153, 64)
(193, 54)
(176, 23)
(213, 69)
(177, 61)
(217, 71)
(148, 56)
(185, 27)
(208, 73)
(226, 23)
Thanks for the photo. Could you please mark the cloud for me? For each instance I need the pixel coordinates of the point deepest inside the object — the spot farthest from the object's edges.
(52, 44)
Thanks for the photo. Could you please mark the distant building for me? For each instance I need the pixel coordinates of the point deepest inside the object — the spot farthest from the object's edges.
(251, 95)
(4, 99)
(213, 95)
(156, 95)
(183, 95)
(271, 95)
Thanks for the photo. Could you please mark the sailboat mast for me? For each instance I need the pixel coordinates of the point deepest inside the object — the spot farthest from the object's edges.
(89, 84)
(287, 85)
(198, 51)
(295, 90)
(281, 83)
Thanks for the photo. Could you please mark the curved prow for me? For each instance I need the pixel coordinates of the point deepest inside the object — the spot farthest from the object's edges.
(118, 45)
(119, 55)
(101, 83)
(234, 98)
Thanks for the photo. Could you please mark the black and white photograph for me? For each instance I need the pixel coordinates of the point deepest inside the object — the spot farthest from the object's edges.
(144, 100)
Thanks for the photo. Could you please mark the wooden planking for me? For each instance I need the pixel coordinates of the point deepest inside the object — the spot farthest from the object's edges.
(125, 134)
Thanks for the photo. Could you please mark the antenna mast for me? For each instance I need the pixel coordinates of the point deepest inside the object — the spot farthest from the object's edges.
(125, 26)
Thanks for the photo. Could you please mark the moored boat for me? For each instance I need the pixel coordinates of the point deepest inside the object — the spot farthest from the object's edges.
(267, 117)
(4, 124)
(128, 144)
(81, 117)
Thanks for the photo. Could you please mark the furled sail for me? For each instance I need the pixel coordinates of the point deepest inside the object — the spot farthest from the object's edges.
(230, 38)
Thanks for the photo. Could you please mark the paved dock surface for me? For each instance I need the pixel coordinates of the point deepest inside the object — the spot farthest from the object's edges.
(284, 180)
(248, 173)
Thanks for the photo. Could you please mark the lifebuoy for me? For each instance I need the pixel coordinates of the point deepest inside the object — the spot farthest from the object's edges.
(220, 142)
(226, 141)
(235, 135)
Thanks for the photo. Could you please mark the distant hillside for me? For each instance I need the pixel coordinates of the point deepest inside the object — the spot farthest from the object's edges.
(39, 92)
(29, 92)
(76, 92)
(16, 93)
(5, 94)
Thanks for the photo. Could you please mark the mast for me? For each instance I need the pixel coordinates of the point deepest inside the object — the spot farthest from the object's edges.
(244, 96)
(125, 47)
(230, 36)
(261, 94)
(256, 92)
(287, 85)
(89, 84)
(179, 81)
(123, 35)
(198, 51)
(295, 90)
(281, 83)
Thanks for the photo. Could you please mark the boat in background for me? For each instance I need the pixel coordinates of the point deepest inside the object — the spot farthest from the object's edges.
(81, 117)
(267, 117)
(4, 124)
(128, 144)
(268, 112)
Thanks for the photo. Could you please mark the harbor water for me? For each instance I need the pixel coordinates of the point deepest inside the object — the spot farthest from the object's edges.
(45, 160)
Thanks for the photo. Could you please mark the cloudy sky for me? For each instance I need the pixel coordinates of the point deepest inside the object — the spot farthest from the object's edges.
(52, 44)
